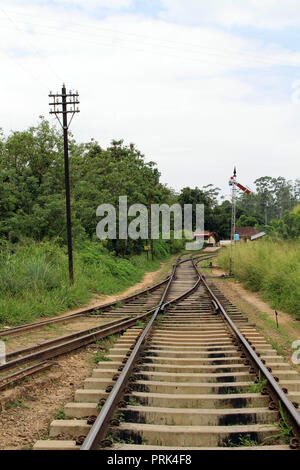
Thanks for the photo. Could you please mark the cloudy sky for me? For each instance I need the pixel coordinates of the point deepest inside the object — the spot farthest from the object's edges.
(198, 85)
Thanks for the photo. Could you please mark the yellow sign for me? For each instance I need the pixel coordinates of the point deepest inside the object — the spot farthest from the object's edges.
(147, 248)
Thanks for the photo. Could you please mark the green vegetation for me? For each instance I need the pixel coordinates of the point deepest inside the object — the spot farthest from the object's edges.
(241, 441)
(133, 402)
(271, 268)
(106, 344)
(285, 429)
(61, 414)
(34, 277)
(33, 262)
(18, 403)
(100, 357)
(258, 386)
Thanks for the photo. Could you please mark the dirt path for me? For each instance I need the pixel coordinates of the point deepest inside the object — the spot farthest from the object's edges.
(149, 280)
(236, 289)
(260, 312)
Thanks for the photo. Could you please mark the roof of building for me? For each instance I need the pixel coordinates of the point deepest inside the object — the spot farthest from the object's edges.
(246, 232)
(205, 234)
(258, 235)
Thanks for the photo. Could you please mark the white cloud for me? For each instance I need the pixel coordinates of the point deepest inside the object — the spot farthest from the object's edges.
(171, 89)
(270, 14)
(97, 4)
(84, 4)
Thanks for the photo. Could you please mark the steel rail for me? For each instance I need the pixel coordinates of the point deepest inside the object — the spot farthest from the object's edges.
(84, 312)
(100, 427)
(77, 343)
(74, 340)
(31, 326)
(19, 375)
(60, 339)
(275, 388)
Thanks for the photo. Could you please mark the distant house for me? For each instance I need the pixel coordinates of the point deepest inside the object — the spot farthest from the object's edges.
(210, 238)
(258, 236)
(248, 234)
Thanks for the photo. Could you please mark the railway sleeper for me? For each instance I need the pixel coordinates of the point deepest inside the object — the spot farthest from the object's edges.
(193, 388)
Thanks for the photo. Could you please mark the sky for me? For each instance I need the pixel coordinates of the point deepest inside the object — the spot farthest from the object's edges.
(198, 86)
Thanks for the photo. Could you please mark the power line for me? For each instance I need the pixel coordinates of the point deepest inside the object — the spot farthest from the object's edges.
(222, 60)
(32, 45)
(160, 40)
(29, 73)
(166, 44)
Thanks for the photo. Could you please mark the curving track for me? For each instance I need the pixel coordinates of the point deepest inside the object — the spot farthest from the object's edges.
(198, 376)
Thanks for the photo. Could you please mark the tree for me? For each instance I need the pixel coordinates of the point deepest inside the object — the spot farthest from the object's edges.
(32, 192)
(246, 221)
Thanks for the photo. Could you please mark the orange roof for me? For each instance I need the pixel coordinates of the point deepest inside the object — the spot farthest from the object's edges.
(205, 234)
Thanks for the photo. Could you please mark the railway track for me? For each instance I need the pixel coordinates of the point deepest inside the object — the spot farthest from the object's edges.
(197, 376)
(107, 320)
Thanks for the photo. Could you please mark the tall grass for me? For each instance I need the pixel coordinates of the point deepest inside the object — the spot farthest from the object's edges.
(34, 278)
(271, 268)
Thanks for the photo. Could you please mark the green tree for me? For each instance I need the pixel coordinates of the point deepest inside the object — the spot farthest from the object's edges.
(246, 221)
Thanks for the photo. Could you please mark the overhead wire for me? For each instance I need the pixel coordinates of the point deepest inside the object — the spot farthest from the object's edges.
(240, 56)
(53, 71)
(164, 42)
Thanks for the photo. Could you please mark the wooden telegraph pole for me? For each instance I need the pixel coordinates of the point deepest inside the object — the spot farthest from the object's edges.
(66, 103)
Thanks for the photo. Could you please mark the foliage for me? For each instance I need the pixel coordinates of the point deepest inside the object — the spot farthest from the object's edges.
(285, 430)
(273, 196)
(286, 228)
(34, 277)
(32, 185)
(246, 221)
(269, 267)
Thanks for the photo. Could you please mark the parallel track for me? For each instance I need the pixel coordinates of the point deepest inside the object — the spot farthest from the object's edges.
(187, 380)
(38, 357)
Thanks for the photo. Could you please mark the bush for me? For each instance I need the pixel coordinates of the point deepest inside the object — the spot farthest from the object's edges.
(272, 268)
(34, 277)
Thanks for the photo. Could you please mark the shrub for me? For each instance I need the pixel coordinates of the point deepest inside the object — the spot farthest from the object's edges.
(34, 277)
(269, 267)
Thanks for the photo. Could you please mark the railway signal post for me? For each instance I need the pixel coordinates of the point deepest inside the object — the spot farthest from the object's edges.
(233, 221)
(66, 103)
(234, 185)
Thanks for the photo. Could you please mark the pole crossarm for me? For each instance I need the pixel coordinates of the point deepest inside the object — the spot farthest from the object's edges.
(61, 102)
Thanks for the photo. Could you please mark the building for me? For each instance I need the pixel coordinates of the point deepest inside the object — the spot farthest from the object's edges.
(248, 234)
(210, 238)
(258, 236)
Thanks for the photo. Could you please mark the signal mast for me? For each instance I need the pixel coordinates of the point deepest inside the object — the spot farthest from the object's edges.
(234, 185)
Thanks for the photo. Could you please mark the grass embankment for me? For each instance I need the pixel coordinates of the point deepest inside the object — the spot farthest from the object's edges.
(271, 268)
(34, 278)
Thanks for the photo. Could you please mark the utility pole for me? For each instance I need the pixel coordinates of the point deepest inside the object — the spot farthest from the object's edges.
(233, 221)
(66, 103)
(150, 225)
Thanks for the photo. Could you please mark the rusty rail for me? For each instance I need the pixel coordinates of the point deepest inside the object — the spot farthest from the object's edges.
(31, 326)
(276, 393)
(64, 344)
(96, 436)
